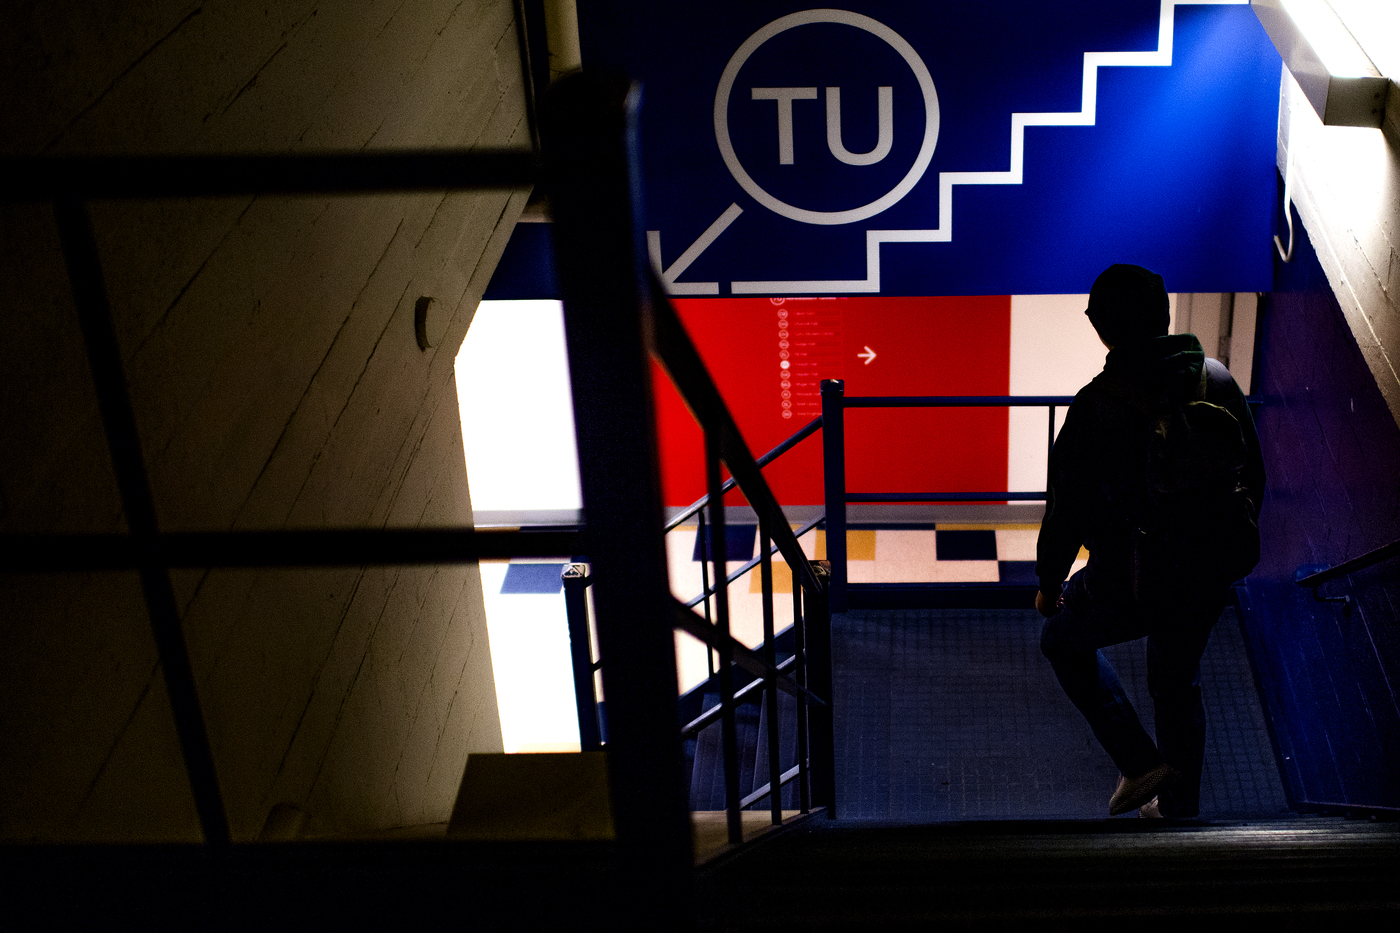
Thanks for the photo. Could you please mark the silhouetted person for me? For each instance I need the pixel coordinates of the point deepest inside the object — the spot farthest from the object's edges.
(1157, 472)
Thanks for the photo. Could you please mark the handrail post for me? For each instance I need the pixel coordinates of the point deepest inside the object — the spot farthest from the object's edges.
(770, 655)
(822, 725)
(834, 475)
(588, 128)
(799, 673)
(705, 589)
(717, 550)
(576, 582)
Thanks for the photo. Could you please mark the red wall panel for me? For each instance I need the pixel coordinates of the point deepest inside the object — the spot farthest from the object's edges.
(920, 346)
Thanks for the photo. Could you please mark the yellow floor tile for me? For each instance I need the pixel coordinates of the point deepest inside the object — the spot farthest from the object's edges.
(782, 578)
(860, 544)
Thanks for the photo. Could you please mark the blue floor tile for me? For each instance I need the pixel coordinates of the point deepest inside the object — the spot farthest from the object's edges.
(1018, 572)
(738, 542)
(955, 715)
(533, 578)
(961, 544)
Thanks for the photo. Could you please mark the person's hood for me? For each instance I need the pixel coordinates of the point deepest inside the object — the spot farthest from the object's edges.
(1171, 363)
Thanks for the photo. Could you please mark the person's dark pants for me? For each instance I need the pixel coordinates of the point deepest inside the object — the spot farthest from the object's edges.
(1176, 639)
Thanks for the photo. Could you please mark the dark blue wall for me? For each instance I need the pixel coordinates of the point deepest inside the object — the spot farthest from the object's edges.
(1332, 451)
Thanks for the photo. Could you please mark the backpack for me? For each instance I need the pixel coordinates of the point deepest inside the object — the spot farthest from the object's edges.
(1193, 524)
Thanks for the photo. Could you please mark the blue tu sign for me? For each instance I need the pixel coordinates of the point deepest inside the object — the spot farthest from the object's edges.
(948, 148)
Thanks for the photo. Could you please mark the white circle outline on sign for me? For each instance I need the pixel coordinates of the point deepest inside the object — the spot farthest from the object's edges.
(845, 18)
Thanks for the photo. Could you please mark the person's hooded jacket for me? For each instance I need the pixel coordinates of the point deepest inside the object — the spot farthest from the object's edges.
(1097, 465)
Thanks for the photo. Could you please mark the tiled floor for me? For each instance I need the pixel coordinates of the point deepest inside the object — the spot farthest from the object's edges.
(954, 715)
(943, 553)
(943, 714)
(529, 637)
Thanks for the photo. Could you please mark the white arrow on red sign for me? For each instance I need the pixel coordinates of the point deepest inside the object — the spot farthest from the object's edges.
(868, 355)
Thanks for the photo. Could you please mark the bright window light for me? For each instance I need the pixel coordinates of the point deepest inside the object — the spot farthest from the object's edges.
(517, 411)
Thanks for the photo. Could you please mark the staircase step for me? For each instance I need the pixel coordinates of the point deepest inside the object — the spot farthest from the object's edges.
(534, 797)
(787, 750)
(1006, 875)
(707, 769)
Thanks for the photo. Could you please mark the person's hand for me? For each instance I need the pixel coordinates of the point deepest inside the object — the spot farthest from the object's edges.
(1043, 605)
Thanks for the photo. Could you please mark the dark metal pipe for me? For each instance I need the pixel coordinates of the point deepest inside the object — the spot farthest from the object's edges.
(581, 653)
(1384, 552)
(821, 721)
(716, 550)
(588, 123)
(46, 178)
(770, 656)
(834, 475)
(956, 401)
(799, 643)
(346, 547)
(936, 497)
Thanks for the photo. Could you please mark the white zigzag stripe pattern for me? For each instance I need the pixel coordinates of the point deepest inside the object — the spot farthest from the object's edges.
(1093, 61)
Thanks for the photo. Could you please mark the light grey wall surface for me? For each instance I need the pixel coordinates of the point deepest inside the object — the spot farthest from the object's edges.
(271, 354)
(1345, 188)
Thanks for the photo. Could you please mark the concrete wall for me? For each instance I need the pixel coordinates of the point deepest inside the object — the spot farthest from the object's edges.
(1332, 454)
(271, 353)
(1329, 374)
(1345, 185)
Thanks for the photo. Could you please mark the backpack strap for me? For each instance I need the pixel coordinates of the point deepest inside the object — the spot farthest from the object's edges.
(1151, 404)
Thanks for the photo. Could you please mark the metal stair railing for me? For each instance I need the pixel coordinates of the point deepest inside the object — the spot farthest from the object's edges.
(615, 317)
(1315, 575)
(723, 442)
(770, 675)
(834, 405)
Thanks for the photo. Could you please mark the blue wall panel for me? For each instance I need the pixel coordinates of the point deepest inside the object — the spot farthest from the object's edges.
(1173, 169)
(1332, 451)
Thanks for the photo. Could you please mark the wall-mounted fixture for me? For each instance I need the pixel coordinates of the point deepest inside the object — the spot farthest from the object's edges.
(429, 322)
(1336, 76)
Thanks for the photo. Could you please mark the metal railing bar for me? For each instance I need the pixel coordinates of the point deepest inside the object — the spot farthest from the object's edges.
(743, 695)
(678, 355)
(575, 581)
(834, 487)
(715, 548)
(973, 401)
(799, 654)
(944, 496)
(589, 133)
(46, 178)
(955, 401)
(690, 623)
(705, 593)
(1384, 552)
(802, 434)
(762, 792)
(310, 548)
(138, 506)
(751, 564)
(770, 657)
